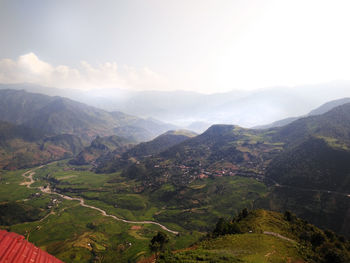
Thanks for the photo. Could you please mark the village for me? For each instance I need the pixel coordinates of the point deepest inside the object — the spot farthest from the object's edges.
(191, 170)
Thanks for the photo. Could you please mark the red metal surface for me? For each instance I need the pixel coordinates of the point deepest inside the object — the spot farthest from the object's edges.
(15, 249)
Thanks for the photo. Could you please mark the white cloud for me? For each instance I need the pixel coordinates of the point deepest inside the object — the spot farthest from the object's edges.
(30, 69)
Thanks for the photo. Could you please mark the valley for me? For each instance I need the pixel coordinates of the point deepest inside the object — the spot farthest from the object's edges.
(174, 131)
(104, 198)
(47, 190)
(109, 212)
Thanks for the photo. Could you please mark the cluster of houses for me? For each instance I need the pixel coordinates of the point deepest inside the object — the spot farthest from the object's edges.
(54, 202)
(248, 169)
(254, 165)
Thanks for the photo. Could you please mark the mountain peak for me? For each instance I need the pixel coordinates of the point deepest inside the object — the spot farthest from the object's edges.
(221, 129)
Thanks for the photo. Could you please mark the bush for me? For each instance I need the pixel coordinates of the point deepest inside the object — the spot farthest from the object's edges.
(317, 239)
(224, 227)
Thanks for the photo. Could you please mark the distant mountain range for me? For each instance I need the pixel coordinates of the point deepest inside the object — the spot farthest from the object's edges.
(37, 128)
(318, 111)
(57, 115)
(243, 108)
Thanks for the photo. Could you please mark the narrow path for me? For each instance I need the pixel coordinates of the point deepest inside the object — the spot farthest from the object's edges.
(279, 236)
(309, 189)
(47, 190)
(51, 213)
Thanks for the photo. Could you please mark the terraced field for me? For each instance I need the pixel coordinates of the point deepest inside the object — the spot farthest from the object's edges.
(71, 207)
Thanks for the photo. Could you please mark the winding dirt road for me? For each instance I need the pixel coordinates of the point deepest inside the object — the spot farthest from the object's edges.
(29, 175)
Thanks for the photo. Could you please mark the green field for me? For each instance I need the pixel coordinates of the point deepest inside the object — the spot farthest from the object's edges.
(252, 248)
(78, 234)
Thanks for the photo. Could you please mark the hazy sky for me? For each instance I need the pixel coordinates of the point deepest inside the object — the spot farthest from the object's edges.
(201, 45)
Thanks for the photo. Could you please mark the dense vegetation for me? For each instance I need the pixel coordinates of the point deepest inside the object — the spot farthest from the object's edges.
(13, 213)
(313, 164)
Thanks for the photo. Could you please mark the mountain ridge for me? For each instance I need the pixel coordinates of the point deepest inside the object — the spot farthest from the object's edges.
(317, 111)
(55, 115)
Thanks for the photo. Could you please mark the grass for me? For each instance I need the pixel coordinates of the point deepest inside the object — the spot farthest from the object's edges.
(252, 248)
(252, 245)
(10, 188)
(77, 234)
(69, 228)
(333, 142)
(67, 235)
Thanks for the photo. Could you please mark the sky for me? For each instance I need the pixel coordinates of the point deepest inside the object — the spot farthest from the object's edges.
(206, 46)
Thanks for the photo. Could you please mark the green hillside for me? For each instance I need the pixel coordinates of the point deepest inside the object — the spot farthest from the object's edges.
(264, 236)
(63, 227)
(100, 148)
(160, 144)
(223, 150)
(313, 164)
(333, 126)
(316, 153)
(328, 210)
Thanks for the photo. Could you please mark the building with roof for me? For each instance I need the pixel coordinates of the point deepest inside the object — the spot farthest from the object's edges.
(15, 249)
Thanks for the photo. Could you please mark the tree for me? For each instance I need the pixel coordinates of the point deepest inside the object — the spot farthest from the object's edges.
(288, 216)
(158, 242)
(224, 227)
(233, 228)
(244, 213)
(220, 227)
(332, 254)
(330, 235)
(317, 239)
(91, 225)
